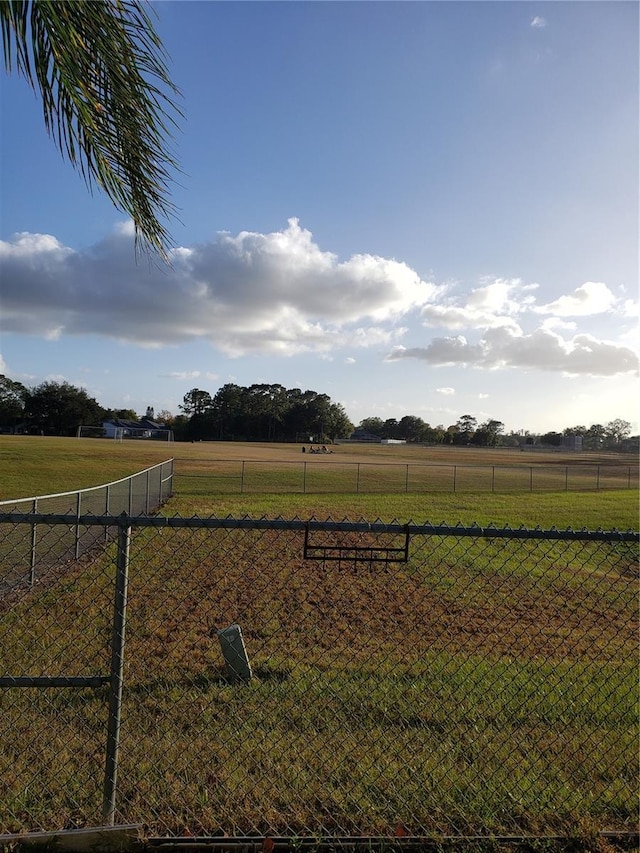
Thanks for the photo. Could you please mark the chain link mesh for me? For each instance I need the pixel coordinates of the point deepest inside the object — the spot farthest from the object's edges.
(47, 547)
(324, 475)
(486, 685)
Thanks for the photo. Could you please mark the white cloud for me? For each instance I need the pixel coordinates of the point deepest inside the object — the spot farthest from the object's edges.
(126, 228)
(275, 293)
(493, 305)
(541, 350)
(28, 245)
(538, 22)
(181, 374)
(280, 294)
(349, 360)
(592, 297)
(3, 365)
(447, 392)
(509, 304)
(552, 323)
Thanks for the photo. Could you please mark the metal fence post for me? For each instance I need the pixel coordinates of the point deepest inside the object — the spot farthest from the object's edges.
(34, 527)
(106, 509)
(146, 498)
(117, 674)
(304, 478)
(131, 496)
(77, 542)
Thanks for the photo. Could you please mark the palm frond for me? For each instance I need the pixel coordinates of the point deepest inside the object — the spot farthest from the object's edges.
(107, 98)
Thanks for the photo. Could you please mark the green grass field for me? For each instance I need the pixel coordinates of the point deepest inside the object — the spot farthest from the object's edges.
(37, 466)
(485, 687)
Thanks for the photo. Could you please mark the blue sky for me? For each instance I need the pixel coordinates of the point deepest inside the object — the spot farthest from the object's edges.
(416, 208)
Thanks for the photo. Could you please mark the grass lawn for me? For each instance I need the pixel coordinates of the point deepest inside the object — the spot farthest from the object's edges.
(484, 687)
(32, 465)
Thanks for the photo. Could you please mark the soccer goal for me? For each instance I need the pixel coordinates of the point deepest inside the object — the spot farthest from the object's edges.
(92, 432)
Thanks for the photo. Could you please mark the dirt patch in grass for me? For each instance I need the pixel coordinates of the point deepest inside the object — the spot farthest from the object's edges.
(308, 609)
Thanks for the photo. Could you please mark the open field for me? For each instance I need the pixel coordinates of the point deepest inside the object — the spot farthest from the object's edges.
(482, 687)
(485, 686)
(35, 466)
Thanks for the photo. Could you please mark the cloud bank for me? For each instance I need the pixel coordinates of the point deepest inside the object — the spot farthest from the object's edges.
(280, 294)
(541, 350)
(266, 293)
(499, 310)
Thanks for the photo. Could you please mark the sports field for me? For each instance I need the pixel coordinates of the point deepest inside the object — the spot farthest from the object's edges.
(354, 480)
(483, 687)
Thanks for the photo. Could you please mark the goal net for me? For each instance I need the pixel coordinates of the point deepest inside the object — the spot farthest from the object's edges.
(92, 432)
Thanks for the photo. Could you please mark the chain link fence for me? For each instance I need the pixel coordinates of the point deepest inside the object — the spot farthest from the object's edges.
(45, 547)
(399, 679)
(210, 476)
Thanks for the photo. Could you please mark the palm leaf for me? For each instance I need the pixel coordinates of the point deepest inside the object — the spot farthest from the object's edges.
(107, 98)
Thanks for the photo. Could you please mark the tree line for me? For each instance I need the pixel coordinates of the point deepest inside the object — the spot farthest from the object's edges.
(263, 412)
(466, 431)
(234, 413)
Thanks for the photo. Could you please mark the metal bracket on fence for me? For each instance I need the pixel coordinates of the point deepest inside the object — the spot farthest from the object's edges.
(364, 553)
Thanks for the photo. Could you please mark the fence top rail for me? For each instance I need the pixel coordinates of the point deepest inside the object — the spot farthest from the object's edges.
(559, 466)
(297, 524)
(88, 489)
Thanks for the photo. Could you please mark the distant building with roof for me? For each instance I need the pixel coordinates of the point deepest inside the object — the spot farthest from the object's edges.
(146, 427)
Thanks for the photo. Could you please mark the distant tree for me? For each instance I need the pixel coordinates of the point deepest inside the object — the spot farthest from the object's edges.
(265, 409)
(391, 429)
(488, 434)
(552, 438)
(165, 417)
(12, 398)
(59, 408)
(317, 415)
(196, 402)
(120, 414)
(433, 435)
(180, 427)
(227, 415)
(411, 428)
(594, 437)
(373, 425)
(296, 420)
(451, 434)
(338, 424)
(512, 439)
(465, 429)
(629, 444)
(580, 429)
(616, 431)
